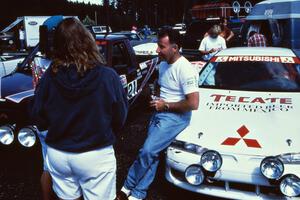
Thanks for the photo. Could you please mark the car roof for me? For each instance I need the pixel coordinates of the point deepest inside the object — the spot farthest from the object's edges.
(275, 9)
(110, 37)
(257, 51)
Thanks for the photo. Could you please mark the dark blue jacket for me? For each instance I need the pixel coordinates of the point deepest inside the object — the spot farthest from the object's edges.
(80, 112)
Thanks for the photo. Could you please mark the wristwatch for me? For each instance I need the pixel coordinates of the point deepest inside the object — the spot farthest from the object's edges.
(166, 107)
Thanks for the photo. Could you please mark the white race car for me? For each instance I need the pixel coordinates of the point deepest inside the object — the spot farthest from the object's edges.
(8, 64)
(244, 140)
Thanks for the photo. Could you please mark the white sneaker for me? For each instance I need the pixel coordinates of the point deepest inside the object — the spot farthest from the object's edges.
(133, 198)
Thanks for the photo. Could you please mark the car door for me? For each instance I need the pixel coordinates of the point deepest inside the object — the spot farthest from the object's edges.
(2, 72)
(123, 64)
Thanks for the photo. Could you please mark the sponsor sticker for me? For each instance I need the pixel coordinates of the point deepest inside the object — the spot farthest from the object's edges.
(280, 59)
(143, 65)
(123, 80)
(253, 104)
(242, 131)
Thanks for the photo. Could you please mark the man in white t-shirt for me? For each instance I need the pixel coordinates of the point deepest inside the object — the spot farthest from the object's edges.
(177, 96)
(212, 43)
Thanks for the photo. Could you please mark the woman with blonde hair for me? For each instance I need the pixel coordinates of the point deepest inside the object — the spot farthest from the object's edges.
(81, 103)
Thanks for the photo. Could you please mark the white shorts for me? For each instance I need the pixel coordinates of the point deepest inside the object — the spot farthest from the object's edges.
(42, 136)
(90, 174)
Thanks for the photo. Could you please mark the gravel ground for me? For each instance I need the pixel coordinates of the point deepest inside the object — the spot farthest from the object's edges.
(21, 181)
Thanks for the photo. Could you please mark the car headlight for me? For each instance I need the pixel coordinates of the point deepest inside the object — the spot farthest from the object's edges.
(194, 175)
(271, 167)
(7, 134)
(290, 186)
(290, 158)
(211, 161)
(27, 137)
(190, 147)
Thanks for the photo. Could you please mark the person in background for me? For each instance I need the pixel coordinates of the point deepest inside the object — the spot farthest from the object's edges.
(81, 103)
(256, 40)
(133, 29)
(176, 97)
(226, 33)
(213, 43)
(22, 38)
(146, 31)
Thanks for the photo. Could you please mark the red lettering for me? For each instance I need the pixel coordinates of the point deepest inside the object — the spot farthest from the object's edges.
(258, 100)
(272, 100)
(217, 97)
(286, 101)
(242, 100)
(230, 98)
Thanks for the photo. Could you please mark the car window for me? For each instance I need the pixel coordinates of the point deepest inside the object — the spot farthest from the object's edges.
(262, 76)
(120, 58)
(133, 37)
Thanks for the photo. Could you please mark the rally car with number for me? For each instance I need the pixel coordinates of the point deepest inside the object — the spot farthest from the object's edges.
(16, 89)
(243, 142)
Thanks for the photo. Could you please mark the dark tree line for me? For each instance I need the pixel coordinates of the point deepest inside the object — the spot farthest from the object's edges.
(122, 14)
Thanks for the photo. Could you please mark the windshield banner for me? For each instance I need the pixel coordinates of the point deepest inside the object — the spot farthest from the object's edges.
(279, 59)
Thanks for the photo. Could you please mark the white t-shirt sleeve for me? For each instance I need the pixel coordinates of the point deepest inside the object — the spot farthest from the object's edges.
(202, 46)
(189, 79)
(223, 43)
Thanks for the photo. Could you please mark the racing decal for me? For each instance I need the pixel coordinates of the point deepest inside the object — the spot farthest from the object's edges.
(132, 89)
(143, 65)
(123, 80)
(242, 131)
(220, 59)
(18, 97)
(280, 59)
(249, 103)
(152, 66)
(139, 73)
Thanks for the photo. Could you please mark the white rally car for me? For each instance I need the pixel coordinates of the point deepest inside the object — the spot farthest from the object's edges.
(244, 140)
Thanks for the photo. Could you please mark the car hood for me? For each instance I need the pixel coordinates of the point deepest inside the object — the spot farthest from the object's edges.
(146, 49)
(243, 122)
(16, 87)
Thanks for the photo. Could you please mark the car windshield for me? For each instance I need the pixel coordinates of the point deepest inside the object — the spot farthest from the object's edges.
(254, 76)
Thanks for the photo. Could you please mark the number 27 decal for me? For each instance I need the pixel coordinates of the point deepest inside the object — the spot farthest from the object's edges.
(132, 89)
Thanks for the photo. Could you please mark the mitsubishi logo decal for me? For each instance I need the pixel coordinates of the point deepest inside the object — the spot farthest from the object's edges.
(242, 131)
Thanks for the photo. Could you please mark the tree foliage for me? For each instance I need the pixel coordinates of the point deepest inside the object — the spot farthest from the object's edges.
(120, 14)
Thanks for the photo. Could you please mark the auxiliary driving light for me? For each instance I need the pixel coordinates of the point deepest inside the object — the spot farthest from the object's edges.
(211, 161)
(290, 186)
(27, 137)
(6, 134)
(194, 175)
(271, 167)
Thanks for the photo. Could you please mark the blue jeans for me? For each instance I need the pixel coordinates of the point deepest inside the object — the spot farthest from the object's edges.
(163, 128)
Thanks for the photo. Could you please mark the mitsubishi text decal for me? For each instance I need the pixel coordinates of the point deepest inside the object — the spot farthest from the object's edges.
(242, 131)
(281, 59)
